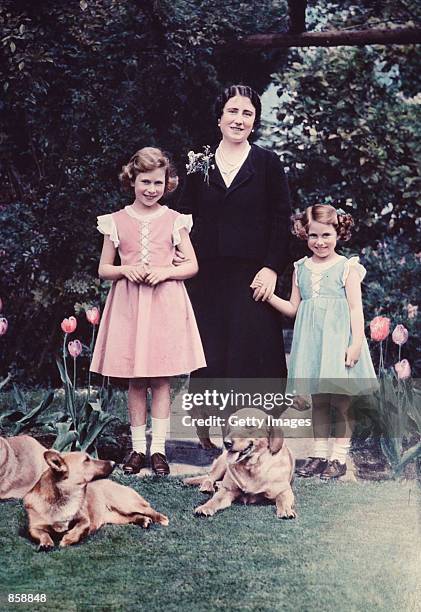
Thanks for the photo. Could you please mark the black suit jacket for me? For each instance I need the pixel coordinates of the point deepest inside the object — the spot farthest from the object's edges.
(249, 219)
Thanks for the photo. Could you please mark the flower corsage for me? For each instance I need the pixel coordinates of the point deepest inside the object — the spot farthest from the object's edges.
(200, 162)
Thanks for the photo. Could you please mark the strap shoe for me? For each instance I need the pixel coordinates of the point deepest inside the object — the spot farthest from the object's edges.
(159, 464)
(134, 462)
(333, 470)
(312, 467)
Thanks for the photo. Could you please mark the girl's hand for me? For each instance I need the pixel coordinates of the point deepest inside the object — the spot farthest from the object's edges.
(179, 257)
(256, 283)
(352, 355)
(135, 274)
(156, 274)
(264, 284)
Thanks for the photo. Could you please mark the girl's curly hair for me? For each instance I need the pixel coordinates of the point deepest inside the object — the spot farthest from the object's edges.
(145, 160)
(322, 213)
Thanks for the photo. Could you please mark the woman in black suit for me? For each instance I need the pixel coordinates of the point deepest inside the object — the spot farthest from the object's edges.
(241, 213)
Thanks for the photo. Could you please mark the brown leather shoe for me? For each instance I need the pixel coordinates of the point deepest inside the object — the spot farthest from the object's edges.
(159, 464)
(134, 462)
(333, 470)
(312, 467)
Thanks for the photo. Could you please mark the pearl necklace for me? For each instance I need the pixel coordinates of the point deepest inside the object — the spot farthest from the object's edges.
(226, 166)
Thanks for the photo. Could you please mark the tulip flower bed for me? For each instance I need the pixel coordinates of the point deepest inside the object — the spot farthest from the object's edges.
(352, 547)
(79, 419)
(395, 410)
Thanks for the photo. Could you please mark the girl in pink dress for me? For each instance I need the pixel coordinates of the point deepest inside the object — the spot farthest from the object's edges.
(148, 331)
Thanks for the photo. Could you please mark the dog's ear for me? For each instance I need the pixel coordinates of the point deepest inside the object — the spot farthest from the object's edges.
(56, 462)
(275, 439)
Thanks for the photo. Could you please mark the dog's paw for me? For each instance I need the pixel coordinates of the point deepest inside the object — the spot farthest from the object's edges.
(207, 486)
(190, 481)
(163, 520)
(286, 513)
(64, 542)
(45, 547)
(146, 521)
(204, 510)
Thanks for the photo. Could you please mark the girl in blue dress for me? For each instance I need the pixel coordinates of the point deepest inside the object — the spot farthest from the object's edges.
(329, 358)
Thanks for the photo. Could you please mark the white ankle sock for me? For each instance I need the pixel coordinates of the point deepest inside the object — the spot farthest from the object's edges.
(321, 448)
(139, 438)
(159, 434)
(340, 451)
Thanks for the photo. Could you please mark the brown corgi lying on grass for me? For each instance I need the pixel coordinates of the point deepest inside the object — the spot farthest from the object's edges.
(69, 500)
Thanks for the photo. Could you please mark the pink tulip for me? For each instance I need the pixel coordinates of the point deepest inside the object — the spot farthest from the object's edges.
(3, 325)
(93, 315)
(400, 335)
(69, 325)
(379, 328)
(403, 369)
(75, 348)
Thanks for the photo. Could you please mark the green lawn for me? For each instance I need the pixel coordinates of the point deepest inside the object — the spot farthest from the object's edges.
(353, 547)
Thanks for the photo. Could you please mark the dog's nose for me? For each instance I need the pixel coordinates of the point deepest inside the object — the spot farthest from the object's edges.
(228, 443)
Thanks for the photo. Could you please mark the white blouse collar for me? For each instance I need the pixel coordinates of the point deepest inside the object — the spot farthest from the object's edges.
(145, 218)
(321, 267)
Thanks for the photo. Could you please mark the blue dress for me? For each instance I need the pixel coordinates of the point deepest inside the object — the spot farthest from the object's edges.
(322, 333)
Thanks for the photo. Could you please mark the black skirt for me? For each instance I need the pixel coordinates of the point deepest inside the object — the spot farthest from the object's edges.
(241, 338)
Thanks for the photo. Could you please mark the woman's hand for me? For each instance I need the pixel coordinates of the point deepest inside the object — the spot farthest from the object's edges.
(264, 284)
(135, 274)
(352, 355)
(156, 274)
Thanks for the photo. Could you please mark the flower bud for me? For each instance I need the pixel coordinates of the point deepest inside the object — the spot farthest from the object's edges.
(379, 328)
(400, 335)
(93, 316)
(69, 325)
(75, 348)
(403, 369)
(412, 311)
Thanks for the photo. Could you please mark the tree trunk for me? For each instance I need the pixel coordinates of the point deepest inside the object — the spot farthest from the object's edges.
(333, 38)
(297, 16)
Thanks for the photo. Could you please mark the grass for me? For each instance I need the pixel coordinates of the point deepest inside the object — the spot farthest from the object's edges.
(354, 546)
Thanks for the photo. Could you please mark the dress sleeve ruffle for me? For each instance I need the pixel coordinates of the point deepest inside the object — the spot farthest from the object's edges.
(182, 221)
(353, 262)
(106, 225)
(296, 264)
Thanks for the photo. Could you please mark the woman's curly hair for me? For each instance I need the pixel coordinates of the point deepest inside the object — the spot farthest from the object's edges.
(322, 213)
(146, 160)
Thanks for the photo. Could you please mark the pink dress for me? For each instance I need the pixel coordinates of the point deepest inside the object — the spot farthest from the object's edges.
(146, 331)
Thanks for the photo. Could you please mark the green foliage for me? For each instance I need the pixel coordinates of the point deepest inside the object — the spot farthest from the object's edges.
(399, 412)
(23, 417)
(92, 419)
(350, 136)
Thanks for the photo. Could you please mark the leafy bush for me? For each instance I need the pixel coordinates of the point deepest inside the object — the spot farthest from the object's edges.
(348, 130)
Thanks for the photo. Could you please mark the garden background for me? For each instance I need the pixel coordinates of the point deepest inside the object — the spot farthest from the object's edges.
(85, 84)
